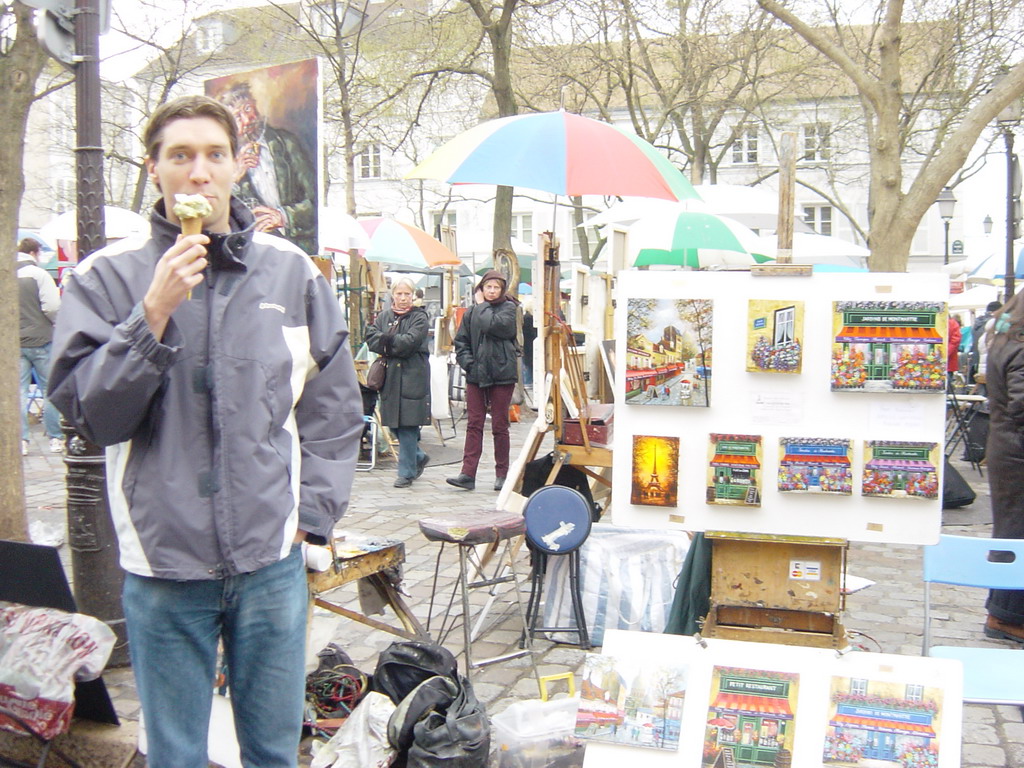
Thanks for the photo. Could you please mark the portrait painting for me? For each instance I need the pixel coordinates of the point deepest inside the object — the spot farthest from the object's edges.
(277, 112)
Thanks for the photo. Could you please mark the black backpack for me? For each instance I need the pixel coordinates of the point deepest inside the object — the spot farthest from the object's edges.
(403, 665)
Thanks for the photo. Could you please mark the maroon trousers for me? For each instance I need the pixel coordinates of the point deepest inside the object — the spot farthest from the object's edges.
(479, 401)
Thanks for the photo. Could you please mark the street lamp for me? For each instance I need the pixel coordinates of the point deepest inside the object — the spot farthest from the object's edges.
(1007, 120)
(986, 224)
(946, 202)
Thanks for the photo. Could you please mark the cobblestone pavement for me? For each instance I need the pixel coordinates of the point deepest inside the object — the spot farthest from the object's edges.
(885, 617)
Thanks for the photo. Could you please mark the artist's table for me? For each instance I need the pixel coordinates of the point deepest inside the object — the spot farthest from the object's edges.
(365, 557)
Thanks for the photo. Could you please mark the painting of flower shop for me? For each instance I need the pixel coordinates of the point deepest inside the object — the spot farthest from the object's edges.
(900, 470)
(815, 465)
(889, 346)
(734, 470)
(750, 716)
(874, 723)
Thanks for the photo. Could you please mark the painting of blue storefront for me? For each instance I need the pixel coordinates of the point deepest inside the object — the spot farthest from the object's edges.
(815, 465)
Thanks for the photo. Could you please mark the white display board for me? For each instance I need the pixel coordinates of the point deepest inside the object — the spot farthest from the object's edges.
(777, 405)
(892, 703)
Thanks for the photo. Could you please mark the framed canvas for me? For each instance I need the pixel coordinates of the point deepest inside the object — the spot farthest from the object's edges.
(655, 474)
(815, 465)
(633, 701)
(775, 332)
(889, 346)
(668, 352)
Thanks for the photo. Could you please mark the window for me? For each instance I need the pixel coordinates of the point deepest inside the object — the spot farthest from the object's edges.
(819, 218)
(522, 227)
(785, 323)
(592, 236)
(368, 162)
(64, 194)
(858, 687)
(8, 30)
(209, 35)
(446, 219)
(744, 148)
(915, 692)
(817, 142)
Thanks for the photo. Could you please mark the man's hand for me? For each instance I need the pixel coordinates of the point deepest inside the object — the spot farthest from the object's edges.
(268, 219)
(300, 536)
(179, 270)
(248, 157)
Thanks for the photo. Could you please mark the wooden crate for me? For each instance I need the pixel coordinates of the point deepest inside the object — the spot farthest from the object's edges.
(785, 589)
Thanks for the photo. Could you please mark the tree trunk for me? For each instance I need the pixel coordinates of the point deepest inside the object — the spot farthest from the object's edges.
(19, 68)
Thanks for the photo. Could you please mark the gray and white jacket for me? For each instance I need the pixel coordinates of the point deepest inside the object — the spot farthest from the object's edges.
(237, 428)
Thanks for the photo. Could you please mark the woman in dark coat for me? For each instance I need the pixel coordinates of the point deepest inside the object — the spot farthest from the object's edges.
(400, 333)
(485, 347)
(1005, 455)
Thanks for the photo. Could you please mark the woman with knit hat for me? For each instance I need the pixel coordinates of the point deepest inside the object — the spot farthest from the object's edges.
(485, 347)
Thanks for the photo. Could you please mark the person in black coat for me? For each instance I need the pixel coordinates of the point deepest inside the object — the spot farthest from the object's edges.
(485, 347)
(400, 333)
(1005, 455)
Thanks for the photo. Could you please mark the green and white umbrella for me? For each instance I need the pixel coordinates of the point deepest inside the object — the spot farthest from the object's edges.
(693, 239)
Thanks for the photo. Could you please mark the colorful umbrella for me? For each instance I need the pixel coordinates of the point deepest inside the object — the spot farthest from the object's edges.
(556, 152)
(691, 239)
(399, 244)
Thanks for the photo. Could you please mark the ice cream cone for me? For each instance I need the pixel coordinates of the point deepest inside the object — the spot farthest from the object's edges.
(191, 226)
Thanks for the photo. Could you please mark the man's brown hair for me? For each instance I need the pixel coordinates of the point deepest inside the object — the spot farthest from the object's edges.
(29, 245)
(184, 108)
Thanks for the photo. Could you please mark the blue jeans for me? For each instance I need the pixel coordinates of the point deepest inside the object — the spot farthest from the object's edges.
(173, 628)
(409, 453)
(37, 359)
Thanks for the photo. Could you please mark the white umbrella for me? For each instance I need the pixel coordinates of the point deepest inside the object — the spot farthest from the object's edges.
(118, 223)
(340, 232)
(818, 249)
(630, 210)
(974, 298)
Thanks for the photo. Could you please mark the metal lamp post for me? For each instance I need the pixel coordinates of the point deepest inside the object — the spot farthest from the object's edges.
(1007, 120)
(946, 202)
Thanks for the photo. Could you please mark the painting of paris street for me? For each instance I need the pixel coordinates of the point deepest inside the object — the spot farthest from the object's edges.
(637, 702)
(668, 352)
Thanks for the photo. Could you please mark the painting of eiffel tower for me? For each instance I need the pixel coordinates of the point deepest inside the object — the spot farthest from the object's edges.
(655, 471)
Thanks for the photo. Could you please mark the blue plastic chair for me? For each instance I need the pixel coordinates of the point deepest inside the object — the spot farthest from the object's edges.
(991, 675)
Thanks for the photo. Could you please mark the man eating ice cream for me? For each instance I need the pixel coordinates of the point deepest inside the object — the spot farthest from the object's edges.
(231, 425)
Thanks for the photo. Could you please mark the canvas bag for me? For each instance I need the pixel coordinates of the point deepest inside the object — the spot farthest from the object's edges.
(377, 374)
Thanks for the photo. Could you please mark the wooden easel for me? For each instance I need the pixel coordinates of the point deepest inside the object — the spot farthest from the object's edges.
(558, 394)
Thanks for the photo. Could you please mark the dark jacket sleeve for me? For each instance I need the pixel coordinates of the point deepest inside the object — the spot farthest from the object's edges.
(407, 339)
(1015, 386)
(375, 332)
(329, 416)
(106, 370)
(463, 341)
(500, 321)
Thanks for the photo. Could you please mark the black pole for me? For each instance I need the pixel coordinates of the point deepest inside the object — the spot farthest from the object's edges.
(1010, 266)
(945, 252)
(94, 552)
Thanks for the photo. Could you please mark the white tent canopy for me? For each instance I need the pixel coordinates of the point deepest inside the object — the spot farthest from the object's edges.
(118, 223)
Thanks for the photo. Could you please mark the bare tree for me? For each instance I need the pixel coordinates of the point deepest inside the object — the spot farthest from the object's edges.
(926, 92)
(21, 61)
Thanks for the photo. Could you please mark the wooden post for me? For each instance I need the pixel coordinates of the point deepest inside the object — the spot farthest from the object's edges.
(787, 188)
(783, 264)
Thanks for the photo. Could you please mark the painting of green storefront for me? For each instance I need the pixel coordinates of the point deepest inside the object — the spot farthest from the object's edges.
(900, 469)
(734, 470)
(750, 717)
(889, 346)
